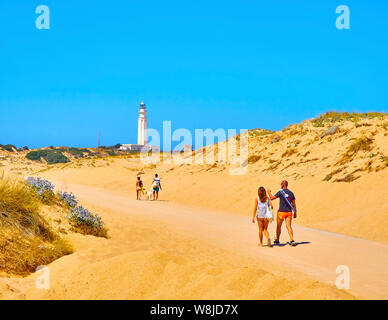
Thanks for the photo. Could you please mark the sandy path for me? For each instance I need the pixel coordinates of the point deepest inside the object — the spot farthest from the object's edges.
(318, 254)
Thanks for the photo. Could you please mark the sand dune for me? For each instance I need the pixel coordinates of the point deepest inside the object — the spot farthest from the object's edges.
(148, 257)
(357, 209)
(340, 183)
(301, 155)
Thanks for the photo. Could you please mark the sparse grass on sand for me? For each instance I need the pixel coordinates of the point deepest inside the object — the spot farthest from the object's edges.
(347, 178)
(289, 152)
(254, 158)
(360, 144)
(26, 239)
(334, 116)
(90, 230)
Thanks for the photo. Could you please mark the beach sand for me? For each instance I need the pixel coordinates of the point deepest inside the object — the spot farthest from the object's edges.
(158, 250)
(148, 258)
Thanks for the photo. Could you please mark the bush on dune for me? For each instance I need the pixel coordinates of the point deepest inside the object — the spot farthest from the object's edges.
(83, 221)
(26, 239)
(44, 189)
(36, 155)
(68, 199)
(8, 147)
(51, 156)
(87, 223)
(75, 152)
(56, 157)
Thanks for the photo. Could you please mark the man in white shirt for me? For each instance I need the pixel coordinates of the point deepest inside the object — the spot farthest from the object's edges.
(156, 186)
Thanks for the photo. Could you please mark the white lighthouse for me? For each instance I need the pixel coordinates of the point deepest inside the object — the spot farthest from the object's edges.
(142, 125)
(142, 138)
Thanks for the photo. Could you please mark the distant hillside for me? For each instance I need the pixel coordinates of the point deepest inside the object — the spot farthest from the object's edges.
(338, 147)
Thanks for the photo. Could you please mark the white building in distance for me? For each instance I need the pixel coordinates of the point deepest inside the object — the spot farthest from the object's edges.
(141, 134)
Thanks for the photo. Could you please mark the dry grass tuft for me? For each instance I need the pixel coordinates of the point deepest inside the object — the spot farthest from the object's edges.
(360, 144)
(334, 172)
(384, 159)
(26, 239)
(275, 164)
(89, 230)
(21, 255)
(253, 158)
(347, 178)
(334, 116)
(289, 152)
(328, 177)
(20, 205)
(254, 133)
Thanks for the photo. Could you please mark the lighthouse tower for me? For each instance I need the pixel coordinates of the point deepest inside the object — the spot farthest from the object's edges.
(142, 125)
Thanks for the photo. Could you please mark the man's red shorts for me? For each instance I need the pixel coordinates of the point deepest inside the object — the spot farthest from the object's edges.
(283, 215)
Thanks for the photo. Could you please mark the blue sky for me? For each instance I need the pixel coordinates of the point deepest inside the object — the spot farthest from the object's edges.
(201, 64)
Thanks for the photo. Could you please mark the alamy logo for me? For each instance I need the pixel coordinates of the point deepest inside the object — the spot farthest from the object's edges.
(43, 20)
(343, 279)
(343, 20)
(43, 280)
(226, 151)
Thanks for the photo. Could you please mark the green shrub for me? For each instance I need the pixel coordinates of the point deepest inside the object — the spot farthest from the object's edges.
(86, 222)
(8, 147)
(36, 155)
(56, 157)
(51, 156)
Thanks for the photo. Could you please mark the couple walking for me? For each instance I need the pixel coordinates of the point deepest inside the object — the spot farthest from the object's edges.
(155, 188)
(263, 212)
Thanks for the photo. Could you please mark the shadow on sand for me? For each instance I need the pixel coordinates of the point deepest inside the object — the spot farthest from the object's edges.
(287, 244)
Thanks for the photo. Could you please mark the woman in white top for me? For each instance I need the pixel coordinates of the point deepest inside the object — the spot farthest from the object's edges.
(262, 202)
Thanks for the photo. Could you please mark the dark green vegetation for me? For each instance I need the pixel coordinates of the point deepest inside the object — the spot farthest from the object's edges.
(61, 155)
(8, 147)
(75, 152)
(11, 148)
(51, 156)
